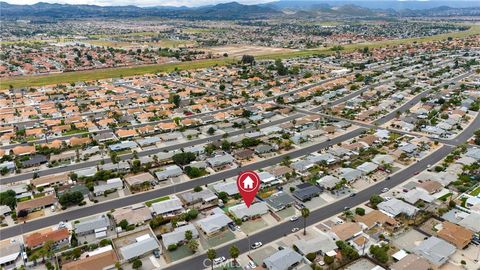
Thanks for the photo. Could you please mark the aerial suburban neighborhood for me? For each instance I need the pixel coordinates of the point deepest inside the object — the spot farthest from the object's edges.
(127, 132)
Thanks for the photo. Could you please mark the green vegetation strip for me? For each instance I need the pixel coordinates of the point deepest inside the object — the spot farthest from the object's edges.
(71, 77)
(149, 203)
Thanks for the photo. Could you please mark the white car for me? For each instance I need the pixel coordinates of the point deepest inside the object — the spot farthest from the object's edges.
(294, 218)
(295, 229)
(385, 190)
(219, 260)
(251, 264)
(256, 245)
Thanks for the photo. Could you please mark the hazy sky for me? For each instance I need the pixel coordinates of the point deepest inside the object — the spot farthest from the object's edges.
(189, 3)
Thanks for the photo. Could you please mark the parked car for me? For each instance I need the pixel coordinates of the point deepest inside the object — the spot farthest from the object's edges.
(219, 260)
(294, 218)
(353, 194)
(251, 265)
(256, 245)
(385, 190)
(295, 229)
(156, 253)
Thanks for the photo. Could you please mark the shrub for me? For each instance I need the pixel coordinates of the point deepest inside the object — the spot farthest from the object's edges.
(172, 247)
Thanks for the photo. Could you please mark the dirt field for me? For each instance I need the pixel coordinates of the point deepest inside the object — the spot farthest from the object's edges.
(239, 50)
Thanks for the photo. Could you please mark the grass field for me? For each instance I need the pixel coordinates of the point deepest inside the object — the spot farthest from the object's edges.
(26, 81)
(161, 199)
(165, 43)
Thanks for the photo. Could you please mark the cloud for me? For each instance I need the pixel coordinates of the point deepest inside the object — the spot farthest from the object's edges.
(140, 3)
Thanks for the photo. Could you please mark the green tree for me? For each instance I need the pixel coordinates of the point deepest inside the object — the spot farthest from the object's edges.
(375, 199)
(211, 131)
(359, 211)
(305, 214)
(175, 99)
(234, 253)
(188, 235)
(193, 245)
(184, 158)
(8, 198)
(137, 264)
(70, 198)
(211, 254)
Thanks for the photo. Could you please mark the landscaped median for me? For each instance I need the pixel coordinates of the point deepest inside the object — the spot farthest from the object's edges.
(71, 77)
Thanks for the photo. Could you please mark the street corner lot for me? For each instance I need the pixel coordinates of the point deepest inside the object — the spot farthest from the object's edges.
(258, 256)
(409, 240)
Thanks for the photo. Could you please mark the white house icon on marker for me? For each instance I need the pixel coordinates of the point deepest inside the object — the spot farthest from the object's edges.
(248, 183)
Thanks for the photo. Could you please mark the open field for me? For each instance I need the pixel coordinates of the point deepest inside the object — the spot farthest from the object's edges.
(69, 77)
(203, 30)
(166, 43)
(239, 50)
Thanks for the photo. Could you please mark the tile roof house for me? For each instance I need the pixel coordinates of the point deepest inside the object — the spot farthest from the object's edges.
(37, 203)
(376, 218)
(58, 237)
(139, 179)
(345, 231)
(411, 262)
(455, 234)
(135, 214)
(431, 187)
(98, 261)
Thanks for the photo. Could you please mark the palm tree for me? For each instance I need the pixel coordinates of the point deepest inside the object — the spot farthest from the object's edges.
(234, 253)
(211, 254)
(305, 214)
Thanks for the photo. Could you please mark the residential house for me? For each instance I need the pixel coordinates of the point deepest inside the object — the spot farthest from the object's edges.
(284, 259)
(111, 185)
(37, 203)
(104, 258)
(243, 212)
(171, 206)
(139, 179)
(97, 225)
(169, 172)
(395, 207)
(345, 231)
(204, 196)
(214, 223)
(59, 238)
(455, 234)
(136, 214)
(279, 201)
(320, 244)
(305, 192)
(435, 250)
(143, 245)
(178, 235)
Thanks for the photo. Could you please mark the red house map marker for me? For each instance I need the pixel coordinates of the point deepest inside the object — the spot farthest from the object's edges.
(248, 183)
